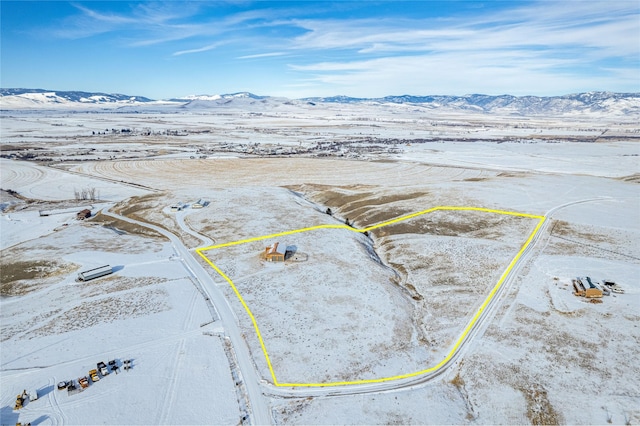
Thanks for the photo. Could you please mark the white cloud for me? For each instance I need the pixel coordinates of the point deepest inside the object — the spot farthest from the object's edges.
(518, 73)
(544, 48)
(199, 49)
(262, 55)
(539, 47)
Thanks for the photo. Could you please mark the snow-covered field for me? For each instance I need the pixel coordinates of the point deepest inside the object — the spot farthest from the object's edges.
(148, 311)
(351, 307)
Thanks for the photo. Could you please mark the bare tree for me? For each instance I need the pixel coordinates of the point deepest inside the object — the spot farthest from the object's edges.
(86, 194)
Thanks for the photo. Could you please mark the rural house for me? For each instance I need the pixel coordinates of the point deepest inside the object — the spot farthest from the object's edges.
(275, 252)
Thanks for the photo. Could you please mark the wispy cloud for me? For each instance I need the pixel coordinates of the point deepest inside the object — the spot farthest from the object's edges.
(516, 47)
(523, 49)
(199, 49)
(262, 55)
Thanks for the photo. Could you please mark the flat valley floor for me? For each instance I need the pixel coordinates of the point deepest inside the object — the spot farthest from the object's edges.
(345, 306)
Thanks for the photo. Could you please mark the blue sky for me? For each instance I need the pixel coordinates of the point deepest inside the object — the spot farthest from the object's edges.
(315, 48)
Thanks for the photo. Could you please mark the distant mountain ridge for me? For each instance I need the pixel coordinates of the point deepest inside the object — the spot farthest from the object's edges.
(228, 96)
(54, 96)
(588, 102)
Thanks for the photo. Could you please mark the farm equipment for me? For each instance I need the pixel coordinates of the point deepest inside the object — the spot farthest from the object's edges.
(72, 388)
(127, 364)
(62, 385)
(94, 375)
(20, 399)
(103, 368)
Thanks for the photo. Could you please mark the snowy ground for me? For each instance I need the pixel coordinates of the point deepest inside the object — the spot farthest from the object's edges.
(148, 311)
(341, 314)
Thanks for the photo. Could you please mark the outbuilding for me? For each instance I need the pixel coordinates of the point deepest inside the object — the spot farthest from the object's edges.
(84, 214)
(95, 273)
(199, 204)
(275, 252)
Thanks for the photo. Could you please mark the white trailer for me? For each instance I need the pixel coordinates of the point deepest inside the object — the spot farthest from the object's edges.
(95, 273)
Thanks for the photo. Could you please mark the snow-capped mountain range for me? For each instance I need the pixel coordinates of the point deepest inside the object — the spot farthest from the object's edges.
(589, 102)
(44, 97)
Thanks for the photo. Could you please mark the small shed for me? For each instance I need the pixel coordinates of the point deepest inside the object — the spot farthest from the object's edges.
(275, 252)
(83, 214)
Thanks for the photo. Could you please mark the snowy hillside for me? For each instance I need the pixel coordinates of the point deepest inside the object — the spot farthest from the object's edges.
(590, 103)
(226, 97)
(603, 102)
(25, 98)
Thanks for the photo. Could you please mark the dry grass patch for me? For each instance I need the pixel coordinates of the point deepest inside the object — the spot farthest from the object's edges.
(124, 226)
(23, 276)
(565, 229)
(116, 283)
(634, 178)
(107, 310)
(539, 409)
(149, 208)
(8, 332)
(362, 204)
(459, 224)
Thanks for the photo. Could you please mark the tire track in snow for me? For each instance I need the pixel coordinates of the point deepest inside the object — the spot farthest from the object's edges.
(170, 393)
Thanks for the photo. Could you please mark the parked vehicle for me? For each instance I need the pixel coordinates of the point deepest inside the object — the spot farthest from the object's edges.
(103, 368)
(617, 289)
(20, 399)
(94, 375)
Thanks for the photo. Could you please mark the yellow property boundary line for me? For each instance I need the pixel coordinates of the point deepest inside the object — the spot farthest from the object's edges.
(455, 347)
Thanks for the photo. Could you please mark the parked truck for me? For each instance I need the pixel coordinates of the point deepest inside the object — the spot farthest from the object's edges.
(94, 375)
(103, 368)
(84, 382)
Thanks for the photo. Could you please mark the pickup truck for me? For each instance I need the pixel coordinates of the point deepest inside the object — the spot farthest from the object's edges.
(94, 375)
